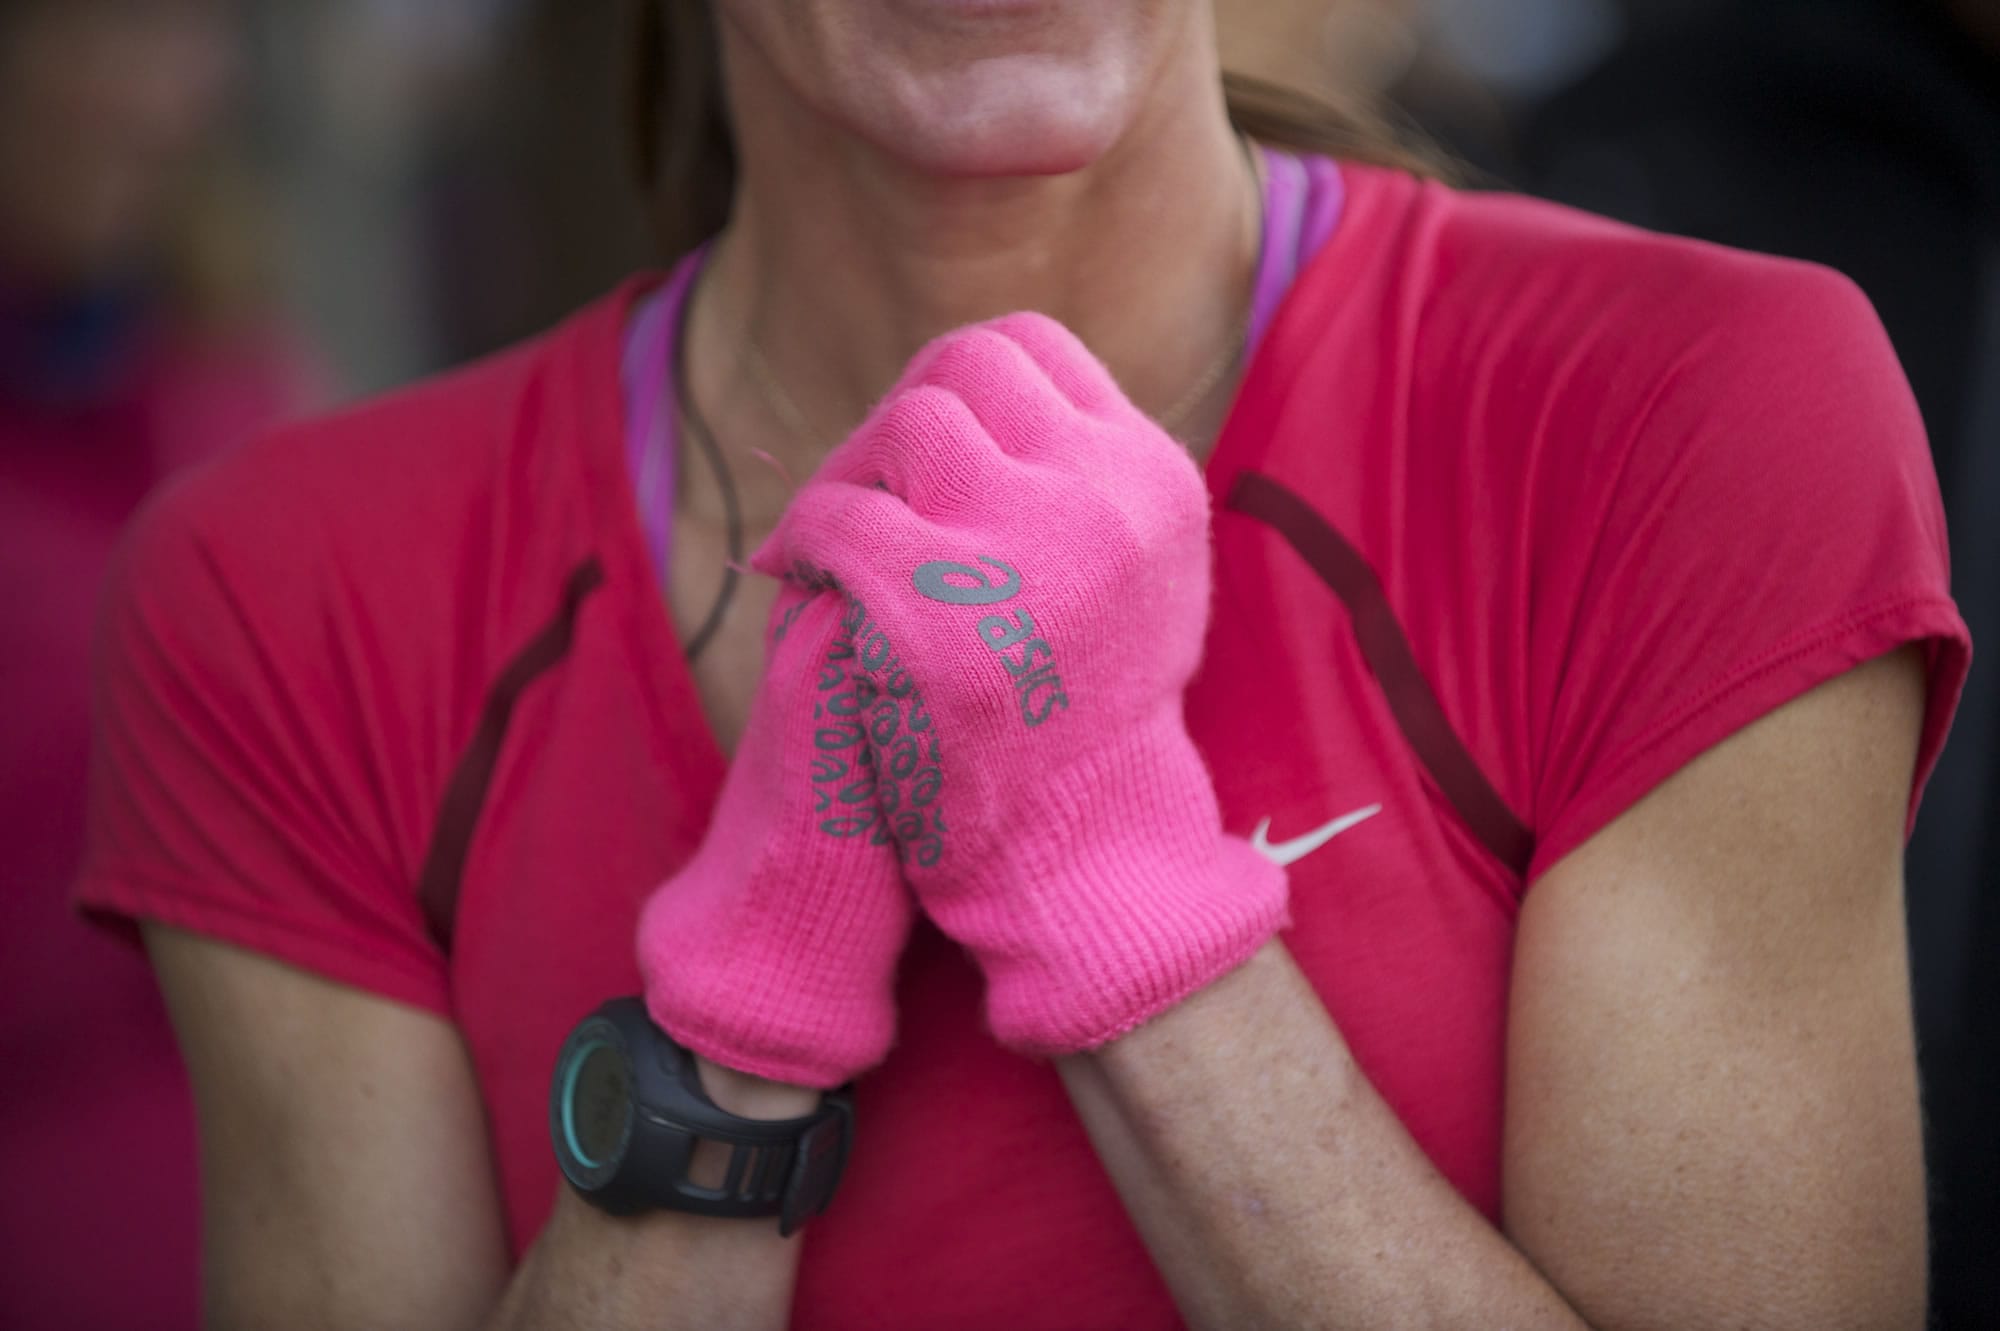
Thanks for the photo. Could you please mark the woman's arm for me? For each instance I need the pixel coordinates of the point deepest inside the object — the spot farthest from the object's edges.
(1712, 1114)
(348, 1182)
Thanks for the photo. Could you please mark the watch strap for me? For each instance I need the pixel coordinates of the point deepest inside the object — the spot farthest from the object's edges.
(784, 1167)
(788, 1168)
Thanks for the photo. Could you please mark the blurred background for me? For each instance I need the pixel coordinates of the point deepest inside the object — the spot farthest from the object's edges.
(217, 212)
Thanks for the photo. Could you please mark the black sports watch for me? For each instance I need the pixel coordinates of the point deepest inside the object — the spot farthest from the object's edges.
(626, 1110)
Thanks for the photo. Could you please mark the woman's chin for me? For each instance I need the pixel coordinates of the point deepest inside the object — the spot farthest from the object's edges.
(1020, 116)
(971, 88)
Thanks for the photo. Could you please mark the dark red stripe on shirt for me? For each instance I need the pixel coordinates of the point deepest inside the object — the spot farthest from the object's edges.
(1387, 651)
(465, 793)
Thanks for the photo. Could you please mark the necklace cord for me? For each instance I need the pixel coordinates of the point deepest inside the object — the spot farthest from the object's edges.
(732, 510)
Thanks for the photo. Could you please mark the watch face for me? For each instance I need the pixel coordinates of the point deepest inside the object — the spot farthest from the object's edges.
(597, 1103)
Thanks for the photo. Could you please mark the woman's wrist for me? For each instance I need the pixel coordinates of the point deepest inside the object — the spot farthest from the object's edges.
(747, 1096)
(750, 1096)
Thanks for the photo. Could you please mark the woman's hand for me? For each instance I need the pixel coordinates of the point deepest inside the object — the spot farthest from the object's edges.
(773, 952)
(1025, 562)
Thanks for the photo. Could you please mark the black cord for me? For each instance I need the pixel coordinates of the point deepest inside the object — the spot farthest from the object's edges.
(731, 511)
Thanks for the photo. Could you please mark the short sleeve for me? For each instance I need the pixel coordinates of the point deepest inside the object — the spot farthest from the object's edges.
(238, 784)
(1770, 520)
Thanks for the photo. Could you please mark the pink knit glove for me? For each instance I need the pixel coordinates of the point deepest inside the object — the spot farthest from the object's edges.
(1026, 564)
(773, 951)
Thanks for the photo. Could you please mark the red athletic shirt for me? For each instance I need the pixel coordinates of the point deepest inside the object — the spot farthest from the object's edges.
(1537, 508)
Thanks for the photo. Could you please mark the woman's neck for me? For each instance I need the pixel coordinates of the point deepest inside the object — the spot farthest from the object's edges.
(840, 262)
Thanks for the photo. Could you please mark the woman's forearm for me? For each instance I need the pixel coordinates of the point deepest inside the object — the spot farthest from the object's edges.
(664, 1271)
(1273, 1185)
(658, 1272)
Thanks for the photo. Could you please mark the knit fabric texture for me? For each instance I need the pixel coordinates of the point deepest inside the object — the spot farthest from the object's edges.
(773, 951)
(1024, 558)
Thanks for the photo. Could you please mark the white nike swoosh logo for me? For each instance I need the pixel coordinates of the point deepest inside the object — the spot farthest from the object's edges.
(1291, 852)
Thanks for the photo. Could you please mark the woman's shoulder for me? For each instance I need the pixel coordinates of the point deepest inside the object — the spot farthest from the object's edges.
(1582, 368)
(385, 492)
(446, 435)
(430, 530)
(1653, 487)
(1563, 345)
(299, 640)
(1542, 282)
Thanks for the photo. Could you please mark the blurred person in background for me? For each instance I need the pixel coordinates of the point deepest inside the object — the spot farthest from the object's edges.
(1864, 135)
(1573, 645)
(133, 342)
(528, 208)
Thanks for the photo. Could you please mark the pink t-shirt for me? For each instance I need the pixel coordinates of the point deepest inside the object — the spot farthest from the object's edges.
(1517, 512)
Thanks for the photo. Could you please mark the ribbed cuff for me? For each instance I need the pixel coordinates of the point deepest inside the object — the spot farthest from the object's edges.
(786, 970)
(1117, 897)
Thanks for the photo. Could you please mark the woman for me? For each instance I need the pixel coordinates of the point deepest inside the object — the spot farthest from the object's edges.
(1579, 641)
